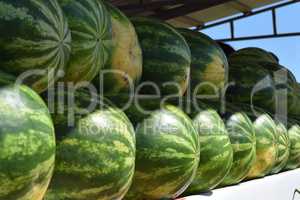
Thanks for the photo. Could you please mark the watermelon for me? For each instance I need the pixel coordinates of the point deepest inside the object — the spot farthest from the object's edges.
(167, 155)
(266, 147)
(90, 26)
(255, 84)
(253, 54)
(124, 68)
(283, 149)
(166, 57)
(243, 141)
(216, 155)
(36, 40)
(27, 144)
(209, 68)
(95, 154)
(294, 158)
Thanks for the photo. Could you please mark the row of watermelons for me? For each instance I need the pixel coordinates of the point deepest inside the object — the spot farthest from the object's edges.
(100, 153)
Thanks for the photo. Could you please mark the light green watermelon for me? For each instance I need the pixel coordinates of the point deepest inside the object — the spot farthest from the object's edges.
(123, 70)
(95, 154)
(209, 68)
(266, 147)
(166, 57)
(216, 152)
(27, 143)
(34, 38)
(294, 158)
(90, 25)
(168, 153)
(283, 149)
(243, 141)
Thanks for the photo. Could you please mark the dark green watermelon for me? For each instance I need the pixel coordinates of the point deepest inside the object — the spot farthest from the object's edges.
(123, 70)
(27, 144)
(95, 152)
(256, 84)
(283, 149)
(216, 154)
(266, 147)
(34, 36)
(228, 49)
(90, 25)
(243, 141)
(294, 158)
(253, 54)
(209, 68)
(166, 57)
(167, 155)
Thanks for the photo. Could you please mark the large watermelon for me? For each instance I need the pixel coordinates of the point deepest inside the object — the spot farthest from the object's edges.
(90, 26)
(256, 84)
(27, 144)
(166, 57)
(253, 54)
(124, 68)
(95, 155)
(209, 68)
(266, 147)
(167, 155)
(283, 149)
(243, 141)
(216, 152)
(294, 158)
(34, 36)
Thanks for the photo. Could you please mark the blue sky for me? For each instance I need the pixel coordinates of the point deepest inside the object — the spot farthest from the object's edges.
(287, 49)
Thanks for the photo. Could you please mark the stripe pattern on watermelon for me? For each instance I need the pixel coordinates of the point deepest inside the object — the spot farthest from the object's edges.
(27, 144)
(266, 147)
(90, 26)
(294, 158)
(36, 37)
(166, 56)
(216, 154)
(243, 141)
(167, 155)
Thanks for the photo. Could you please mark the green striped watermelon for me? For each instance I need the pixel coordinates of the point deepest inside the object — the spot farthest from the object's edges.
(283, 149)
(27, 144)
(166, 57)
(36, 37)
(253, 54)
(216, 152)
(90, 26)
(294, 158)
(228, 49)
(255, 84)
(95, 156)
(124, 67)
(209, 68)
(266, 146)
(243, 141)
(167, 155)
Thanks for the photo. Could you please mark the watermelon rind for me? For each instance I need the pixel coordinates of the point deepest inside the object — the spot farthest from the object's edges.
(216, 153)
(209, 67)
(36, 41)
(27, 144)
(243, 141)
(294, 158)
(166, 57)
(266, 147)
(95, 155)
(90, 25)
(168, 155)
(283, 148)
